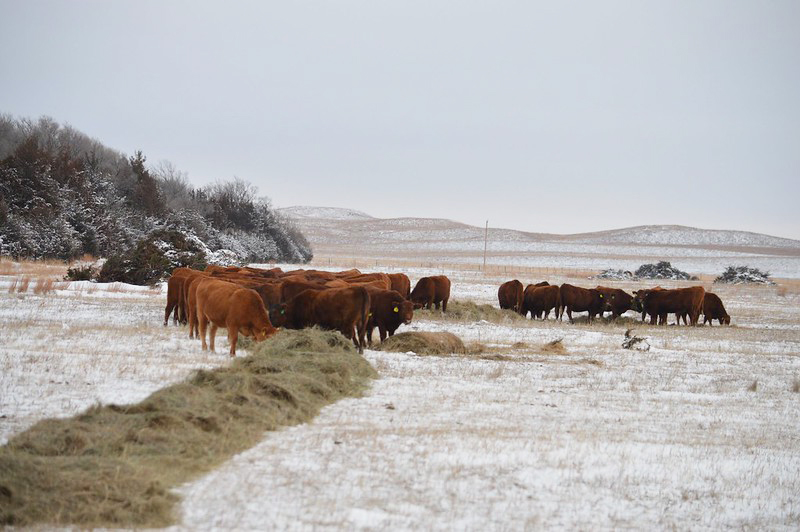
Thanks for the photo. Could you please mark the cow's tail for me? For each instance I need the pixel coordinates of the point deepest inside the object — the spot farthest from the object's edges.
(363, 317)
(559, 308)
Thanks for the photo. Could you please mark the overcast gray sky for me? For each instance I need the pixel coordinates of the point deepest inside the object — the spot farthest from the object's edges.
(549, 116)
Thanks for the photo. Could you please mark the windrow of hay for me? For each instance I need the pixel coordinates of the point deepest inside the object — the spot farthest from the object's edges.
(114, 466)
(424, 343)
(470, 311)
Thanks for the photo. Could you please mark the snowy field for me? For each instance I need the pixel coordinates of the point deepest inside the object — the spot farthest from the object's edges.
(698, 432)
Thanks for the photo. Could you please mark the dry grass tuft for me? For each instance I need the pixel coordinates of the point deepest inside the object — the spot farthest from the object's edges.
(556, 347)
(115, 465)
(22, 284)
(753, 386)
(424, 343)
(796, 386)
(44, 285)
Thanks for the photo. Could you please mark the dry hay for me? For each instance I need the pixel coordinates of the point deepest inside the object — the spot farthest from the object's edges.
(555, 347)
(469, 311)
(115, 465)
(424, 343)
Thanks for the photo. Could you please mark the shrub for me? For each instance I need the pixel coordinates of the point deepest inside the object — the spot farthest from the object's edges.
(82, 272)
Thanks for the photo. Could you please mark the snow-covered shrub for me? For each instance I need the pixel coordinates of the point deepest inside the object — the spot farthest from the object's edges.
(618, 275)
(153, 259)
(662, 270)
(743, 274)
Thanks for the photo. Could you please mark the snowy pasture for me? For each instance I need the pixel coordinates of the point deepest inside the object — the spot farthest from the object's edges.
(698, 432)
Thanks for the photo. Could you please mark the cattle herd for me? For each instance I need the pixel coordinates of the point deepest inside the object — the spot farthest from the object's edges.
(255, 302)
(686, 303)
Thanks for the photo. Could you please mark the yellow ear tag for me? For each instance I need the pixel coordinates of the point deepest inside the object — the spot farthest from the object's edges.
(396, 309)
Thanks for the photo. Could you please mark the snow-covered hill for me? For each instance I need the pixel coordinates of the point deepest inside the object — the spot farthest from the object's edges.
(344, 233)
(327, 213)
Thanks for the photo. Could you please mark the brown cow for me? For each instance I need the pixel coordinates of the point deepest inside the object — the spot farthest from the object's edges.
(540, 300)
(401, 283)
(577, 299)
(431, 291)
(240, 310)
(293, 286)
(660, 303)
(375, 279)
(713, 309)
(175, 296)
(510, 294)
(618, 301)
(342, 309)
(388, 310)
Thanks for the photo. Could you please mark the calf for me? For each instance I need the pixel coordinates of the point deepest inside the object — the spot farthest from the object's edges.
(240, 310)
(713, 309)
(387, 311)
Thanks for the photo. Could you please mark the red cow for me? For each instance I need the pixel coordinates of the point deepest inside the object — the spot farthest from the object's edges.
(228, 305)
(540, 300)
(577, 299)
(431, 291)
(510, 295)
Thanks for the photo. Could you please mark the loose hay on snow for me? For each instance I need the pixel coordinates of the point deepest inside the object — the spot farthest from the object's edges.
(470, 311)
(424, 343)
(115, 465)
(556, 347)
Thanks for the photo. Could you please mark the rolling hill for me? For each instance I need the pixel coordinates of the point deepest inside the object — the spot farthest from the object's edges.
(343, 233)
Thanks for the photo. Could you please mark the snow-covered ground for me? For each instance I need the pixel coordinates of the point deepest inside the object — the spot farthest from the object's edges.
(697, 433)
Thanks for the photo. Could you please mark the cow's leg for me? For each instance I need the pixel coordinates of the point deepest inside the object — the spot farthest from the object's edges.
(569, 315)
(202, 325)
(167, 312)
(233, 337)
(369, 335)
(382, 332)
(211, 335)
(444, 305)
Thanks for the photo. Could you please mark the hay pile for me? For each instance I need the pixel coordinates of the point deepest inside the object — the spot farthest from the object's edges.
(115, 465)
(742, 275)
(424, 343)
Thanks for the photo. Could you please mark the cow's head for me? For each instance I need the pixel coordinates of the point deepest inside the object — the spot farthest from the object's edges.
(405, 310)
(277, 314)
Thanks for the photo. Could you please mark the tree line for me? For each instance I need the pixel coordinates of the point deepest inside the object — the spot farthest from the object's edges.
(64, 195)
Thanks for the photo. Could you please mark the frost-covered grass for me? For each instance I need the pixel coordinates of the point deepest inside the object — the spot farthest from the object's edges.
(591, 437)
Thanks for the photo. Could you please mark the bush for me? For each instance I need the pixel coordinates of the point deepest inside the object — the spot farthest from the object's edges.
(85, 272)
(153, 259)
(743, 274)
(662, 270)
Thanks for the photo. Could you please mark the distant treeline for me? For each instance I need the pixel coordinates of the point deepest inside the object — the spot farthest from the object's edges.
(64, 194)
